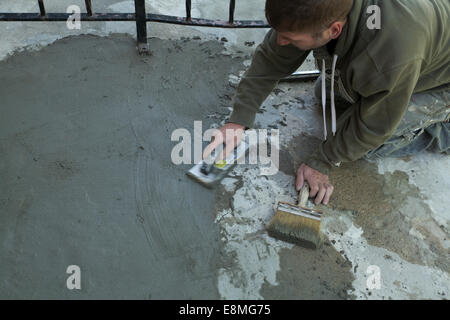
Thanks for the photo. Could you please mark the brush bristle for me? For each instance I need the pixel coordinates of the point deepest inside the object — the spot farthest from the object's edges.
(295, 229)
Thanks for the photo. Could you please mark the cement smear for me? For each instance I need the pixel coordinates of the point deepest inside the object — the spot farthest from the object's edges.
(258, 266)
(390, 209)
(87, 177)
(88, 180)
(382, 216)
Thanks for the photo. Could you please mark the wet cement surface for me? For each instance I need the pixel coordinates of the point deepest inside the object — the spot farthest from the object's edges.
(87, 180)
(87, 177)
(380, 210)
(277, 270)
(377, 204)
(374, 219)
(306, 273)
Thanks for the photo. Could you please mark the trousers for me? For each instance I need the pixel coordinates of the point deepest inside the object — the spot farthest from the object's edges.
(424, 126)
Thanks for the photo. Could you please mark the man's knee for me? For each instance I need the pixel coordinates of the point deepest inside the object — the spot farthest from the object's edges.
(425, 109)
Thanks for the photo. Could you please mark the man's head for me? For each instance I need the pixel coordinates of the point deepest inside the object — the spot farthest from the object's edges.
(307, 24)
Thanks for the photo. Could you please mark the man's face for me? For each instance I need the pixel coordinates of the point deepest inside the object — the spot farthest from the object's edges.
(303, 41)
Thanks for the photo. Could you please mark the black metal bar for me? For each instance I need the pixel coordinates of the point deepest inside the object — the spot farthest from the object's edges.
(132, 17)
(41, 7)
(88, 7)
(232, 5)
(188, 10)
(141, 25)
(51, 17)
(142, 18)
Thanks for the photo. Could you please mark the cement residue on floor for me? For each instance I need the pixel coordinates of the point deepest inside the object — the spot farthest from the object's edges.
(380, 273)
(87, 176)
(85, 158)
(358, 241)
(372, 221)
(257, 266)
(389, 209)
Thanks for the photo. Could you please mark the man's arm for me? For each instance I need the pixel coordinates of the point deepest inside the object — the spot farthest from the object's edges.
(271, 62)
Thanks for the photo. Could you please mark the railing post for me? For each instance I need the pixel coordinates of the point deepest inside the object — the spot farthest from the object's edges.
(141, 26)
(41, 8)
(188, 10)
(231, 15)
(88, 7)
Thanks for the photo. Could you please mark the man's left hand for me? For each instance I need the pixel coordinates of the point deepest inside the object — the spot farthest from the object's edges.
(318, 182)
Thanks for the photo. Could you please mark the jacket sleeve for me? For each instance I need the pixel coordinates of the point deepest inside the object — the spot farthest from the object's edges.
(372, 120)
(271, 62)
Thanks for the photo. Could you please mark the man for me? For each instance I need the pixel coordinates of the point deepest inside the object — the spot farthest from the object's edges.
(392, 84)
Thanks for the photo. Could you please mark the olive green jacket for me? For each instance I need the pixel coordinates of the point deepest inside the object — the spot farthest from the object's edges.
(377, 70)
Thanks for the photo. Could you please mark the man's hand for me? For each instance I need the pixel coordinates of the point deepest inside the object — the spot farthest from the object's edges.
(231, 134)
(318, 182)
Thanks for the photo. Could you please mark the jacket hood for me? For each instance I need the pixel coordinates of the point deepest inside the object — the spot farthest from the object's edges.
(348, 35)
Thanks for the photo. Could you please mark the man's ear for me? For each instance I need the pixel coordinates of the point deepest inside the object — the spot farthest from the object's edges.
(336, 29)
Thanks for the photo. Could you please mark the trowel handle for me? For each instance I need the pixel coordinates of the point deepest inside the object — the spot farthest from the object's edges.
(303, 195)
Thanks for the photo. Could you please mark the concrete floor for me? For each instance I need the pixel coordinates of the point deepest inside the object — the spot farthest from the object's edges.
(87, 178)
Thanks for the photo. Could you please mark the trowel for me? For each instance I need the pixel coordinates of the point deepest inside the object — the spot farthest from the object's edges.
(210, 171)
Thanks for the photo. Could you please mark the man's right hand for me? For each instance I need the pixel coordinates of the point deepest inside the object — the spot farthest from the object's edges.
(230, 134)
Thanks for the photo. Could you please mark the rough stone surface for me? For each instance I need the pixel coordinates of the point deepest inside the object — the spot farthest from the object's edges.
(87, 177)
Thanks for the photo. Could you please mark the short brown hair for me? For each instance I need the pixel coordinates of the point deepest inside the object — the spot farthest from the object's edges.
(305, 15)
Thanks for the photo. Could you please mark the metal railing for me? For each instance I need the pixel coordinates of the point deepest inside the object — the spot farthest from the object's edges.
(141, 18)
